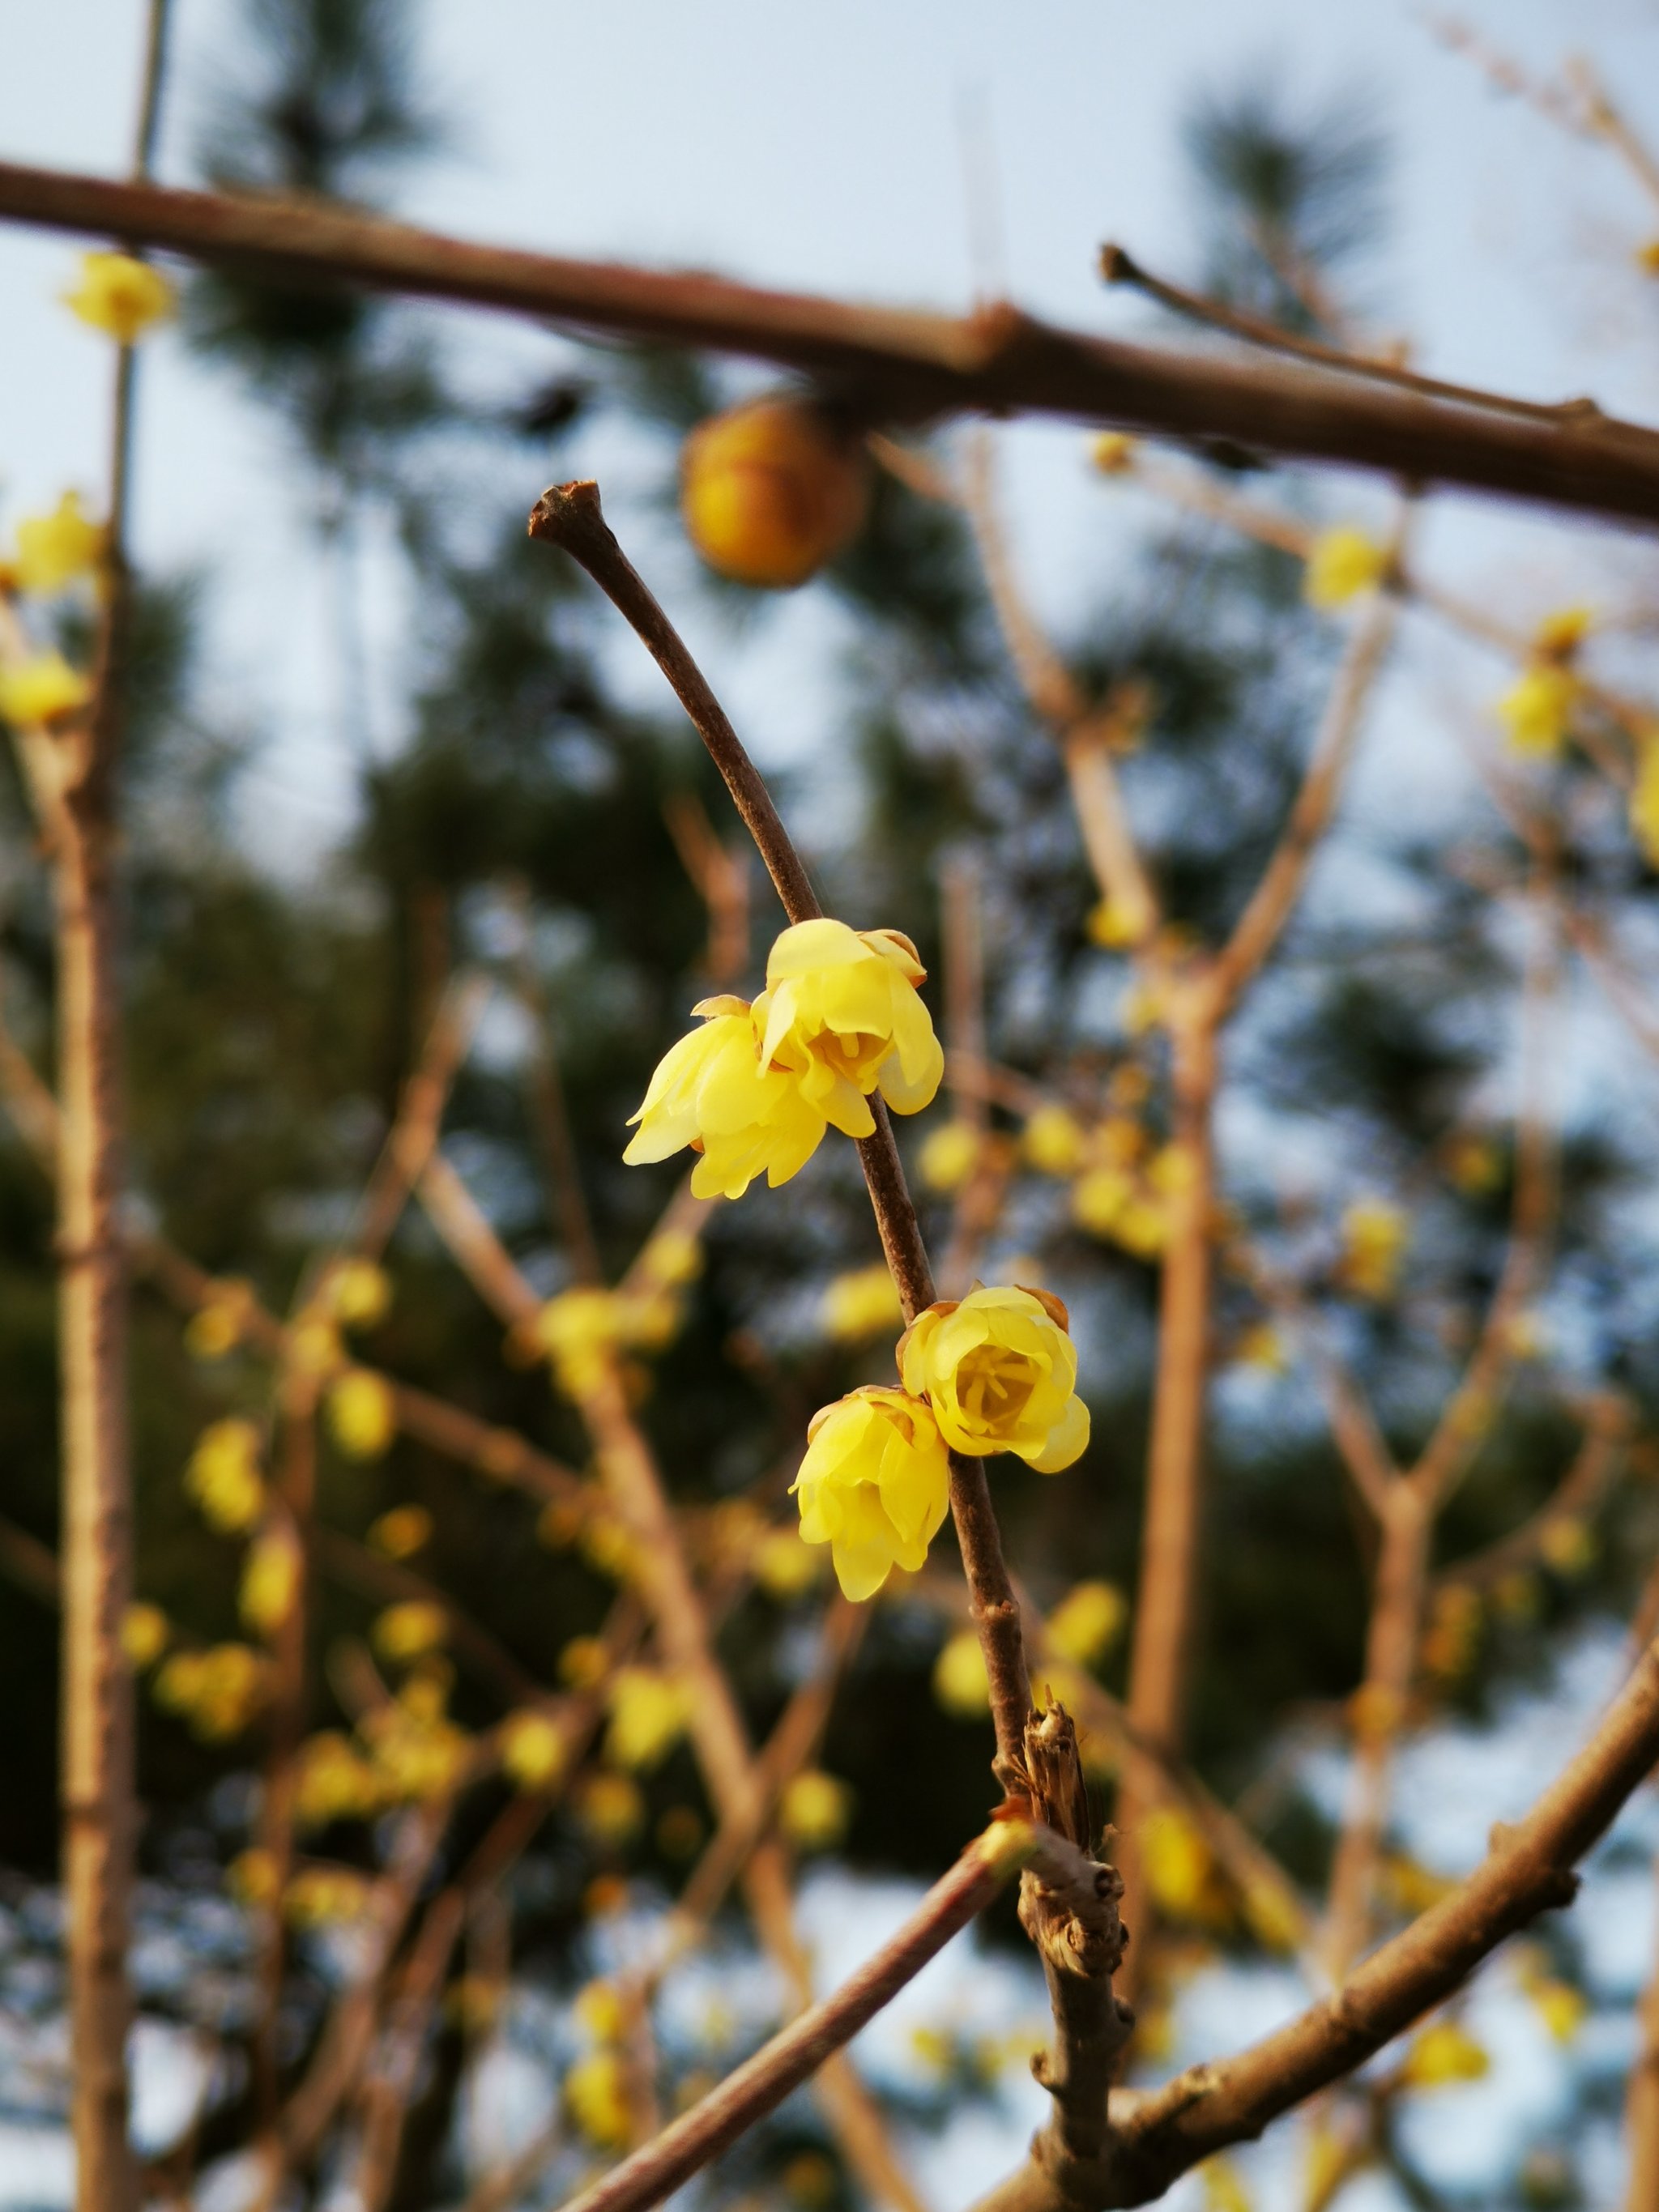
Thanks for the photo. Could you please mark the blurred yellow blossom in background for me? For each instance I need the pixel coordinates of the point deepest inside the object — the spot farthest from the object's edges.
(862, 1304)
(222, 1476)
(57, 549)
(1342, 562)
(960, 1681)
(814, 1809)
(40, 689)
(120, 295)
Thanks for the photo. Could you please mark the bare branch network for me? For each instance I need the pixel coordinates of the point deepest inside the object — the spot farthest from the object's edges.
(902, 366)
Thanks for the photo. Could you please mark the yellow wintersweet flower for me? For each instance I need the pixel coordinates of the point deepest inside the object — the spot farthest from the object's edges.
(401, 1532)
(1537, 708)
(712, 1091)
(1342, 562)
(1443, 2052)
(949, 1155)
(144, 1634)
(813, 1810)
(611, 1810)
(54, 550)
(583, 1662)
(1100, 1198)
(120, 295)
(1562, 2008)
(1223, 2188)
(771, 488)
(533, 1750)
(1179, 1869)
(41, 690)
(362, 1413)
(1559, 635)
(217, 1691)
(314, 1348)
(1375, 1238)
(222, 1476)
(1114, 923)
(648, 1714)
(1644, 798)
(333, 1781)
(862, 1304)
(1085, 1625)
(319, 1896)
(841, 1010)
(596, 2098)
(270, 1579)
(217, 1325)
(1000, 1370)
(1567, 1545)
(1052, 1141)
(580, 1330)
(673, 1258)
(784, 1566)
(409, 1630)
(1261, 1345)
(874, 1486)
(251, 1877)
(960, 1681)
(598, 2008)
(417, 1755)
(357, 1293)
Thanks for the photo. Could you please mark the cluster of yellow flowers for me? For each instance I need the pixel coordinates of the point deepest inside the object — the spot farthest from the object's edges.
(995, 1371)
(1123, 1183)
(755, 1088)
(583, 1331)
(217, 1692)
(417, 1753)
(223, 1478)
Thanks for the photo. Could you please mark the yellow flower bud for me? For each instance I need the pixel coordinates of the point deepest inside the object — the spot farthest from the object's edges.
(533, 1750)
(814, 1809)
(270, 1579)
(1112, 452)
(874, 1486)
(949, 1155)
(596, 2098)
(144, 1635)
(1342, 562)
(648, 1714)
(409, 1630)
(1086, 1623)
(120, 295)
(362, 1413)
(40, 690)
(1000, 1370)
(57, 549)
(862, 1304)
(960, 1681)
(400, 1533)
(1117, 923)
(771, 490)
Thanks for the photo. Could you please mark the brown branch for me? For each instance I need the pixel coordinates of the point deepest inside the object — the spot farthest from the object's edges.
(30, 1565)
(413, 1135)
(762, 2083)
(721, 881)
(569, 515)
(1642, 2102)
(1527, 1870)
(1118, 266)
(901, 365)
(1588, 1475)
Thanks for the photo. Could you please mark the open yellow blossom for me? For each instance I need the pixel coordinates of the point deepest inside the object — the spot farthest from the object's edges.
(1053, 1142)
(217, 1691)
(408, 1632)
(813, 1810)
(949, 1154)
(222, 1476)
(41, 690)
(1443, 2052)
(841, 1012)
(533, 1749)
(144, 1635)
(121, 296)
(874, 1486)
(860, 1304)
(596, 2098)
(270, 1579)
(1085, 1625)
(711, 1090)
(362, 1413)
(1375, 1238)
(57, 548)
(1342, 562)
(400, 1533)
(648, 1714)
(1000, 1370)
(960, 1681)
(1536, 710)
(333, 1781)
